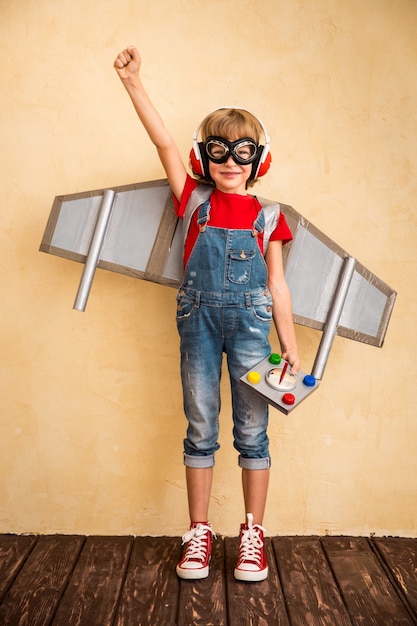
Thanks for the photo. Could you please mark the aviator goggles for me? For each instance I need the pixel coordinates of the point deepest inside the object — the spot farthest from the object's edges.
(243, 151)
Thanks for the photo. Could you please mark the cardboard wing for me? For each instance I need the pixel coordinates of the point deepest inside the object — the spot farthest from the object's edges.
(133, 230)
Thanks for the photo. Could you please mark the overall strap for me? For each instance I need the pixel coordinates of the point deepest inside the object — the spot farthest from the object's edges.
(198, 196)
(203, 215)
(258, 226)
(271, 211)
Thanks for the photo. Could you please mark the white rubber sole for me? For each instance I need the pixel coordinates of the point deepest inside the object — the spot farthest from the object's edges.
(192, 574)
(251, 577)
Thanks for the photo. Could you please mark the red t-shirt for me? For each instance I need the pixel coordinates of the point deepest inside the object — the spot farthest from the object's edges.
(228, 210)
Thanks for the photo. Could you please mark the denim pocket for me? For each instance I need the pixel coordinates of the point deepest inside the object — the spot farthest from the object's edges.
(185, 305)
(240, 265)
(262, 308)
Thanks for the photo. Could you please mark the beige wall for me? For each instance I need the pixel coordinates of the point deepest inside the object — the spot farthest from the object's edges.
(90, 437)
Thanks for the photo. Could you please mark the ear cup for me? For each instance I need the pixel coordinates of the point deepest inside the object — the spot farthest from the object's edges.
(260, 166)
(264, 167)
(196, 164)
(199, 160)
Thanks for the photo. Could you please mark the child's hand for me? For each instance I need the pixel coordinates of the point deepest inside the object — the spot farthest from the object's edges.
(293, 359)
(127, 63)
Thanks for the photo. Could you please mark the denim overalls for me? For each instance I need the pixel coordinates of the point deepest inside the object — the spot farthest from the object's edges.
(224, 305)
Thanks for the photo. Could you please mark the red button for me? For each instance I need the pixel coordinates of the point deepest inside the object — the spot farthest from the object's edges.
(288, 398)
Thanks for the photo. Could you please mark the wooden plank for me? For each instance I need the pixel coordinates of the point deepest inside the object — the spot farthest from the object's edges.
(254, 604)
(369, 596)
(308, 584)
(150, 592)
(400, 557)
(14, 550)
(93, 590)
(204, 601)
(36, 591)
(120, 581)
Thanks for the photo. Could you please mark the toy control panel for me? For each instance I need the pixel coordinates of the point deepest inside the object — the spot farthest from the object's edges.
(273, 380)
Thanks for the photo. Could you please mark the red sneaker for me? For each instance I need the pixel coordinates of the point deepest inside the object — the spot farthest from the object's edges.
(251, 562)
(194, 563)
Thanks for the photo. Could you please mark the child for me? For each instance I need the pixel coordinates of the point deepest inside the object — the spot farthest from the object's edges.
(226, 302)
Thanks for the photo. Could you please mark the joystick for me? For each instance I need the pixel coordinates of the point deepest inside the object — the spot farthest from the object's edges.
(273, 380)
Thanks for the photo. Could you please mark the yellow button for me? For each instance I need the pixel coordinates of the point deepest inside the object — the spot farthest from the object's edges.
(254, 377)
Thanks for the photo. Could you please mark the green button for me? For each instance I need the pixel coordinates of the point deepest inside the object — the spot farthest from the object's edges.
(275, 359)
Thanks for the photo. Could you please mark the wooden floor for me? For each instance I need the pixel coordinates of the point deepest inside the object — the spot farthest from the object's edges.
(125, 581)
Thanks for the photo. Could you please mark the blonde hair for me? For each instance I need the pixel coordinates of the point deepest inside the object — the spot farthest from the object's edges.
(231, 124)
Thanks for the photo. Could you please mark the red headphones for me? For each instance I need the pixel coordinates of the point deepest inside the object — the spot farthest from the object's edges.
(200, 161)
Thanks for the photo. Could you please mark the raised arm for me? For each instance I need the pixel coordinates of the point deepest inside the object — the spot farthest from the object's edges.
(282, 307)
(127, 66)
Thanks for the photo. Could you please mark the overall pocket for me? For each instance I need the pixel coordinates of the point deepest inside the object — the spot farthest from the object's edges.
(262, 307)
(240, 265)
(185, 305)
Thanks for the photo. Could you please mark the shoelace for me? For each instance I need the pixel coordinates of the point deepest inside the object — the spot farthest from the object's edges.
(195, 537)
(251, 542)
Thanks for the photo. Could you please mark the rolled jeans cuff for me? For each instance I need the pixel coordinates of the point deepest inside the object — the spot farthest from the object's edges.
(254, 464)
(199, 462)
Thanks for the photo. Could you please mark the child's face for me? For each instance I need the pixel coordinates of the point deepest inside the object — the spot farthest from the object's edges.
(229, 176)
